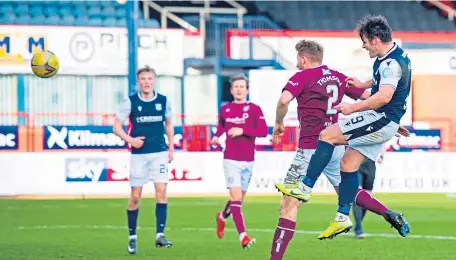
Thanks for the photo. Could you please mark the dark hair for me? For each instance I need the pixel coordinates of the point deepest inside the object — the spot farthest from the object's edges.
(374, 26)
(240, 76)
(311, 49)
(145, 69)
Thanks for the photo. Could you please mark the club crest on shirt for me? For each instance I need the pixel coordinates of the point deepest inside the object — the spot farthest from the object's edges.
(246, 108)
(139, 108)
(158, 107)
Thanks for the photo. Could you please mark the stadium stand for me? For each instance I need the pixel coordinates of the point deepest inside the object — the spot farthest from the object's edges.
(68, 13)
(324, 15)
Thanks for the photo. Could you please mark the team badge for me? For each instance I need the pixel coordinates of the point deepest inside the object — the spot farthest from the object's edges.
(246, 108)
(158, 107)
(326, 72)
(139, 108)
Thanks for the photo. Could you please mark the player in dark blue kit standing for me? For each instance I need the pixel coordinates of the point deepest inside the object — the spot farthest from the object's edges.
(364, 134)
(150, 115)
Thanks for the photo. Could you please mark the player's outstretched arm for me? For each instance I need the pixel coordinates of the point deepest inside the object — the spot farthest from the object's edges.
(379, 99)
(260, 128)
(282, 106)
(354, 82)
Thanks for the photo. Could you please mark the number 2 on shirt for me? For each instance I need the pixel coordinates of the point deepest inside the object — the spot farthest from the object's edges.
(333, 90)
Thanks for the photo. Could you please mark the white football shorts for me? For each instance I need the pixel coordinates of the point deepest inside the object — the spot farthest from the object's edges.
(368, 131)
(146, 167)
(237, 173)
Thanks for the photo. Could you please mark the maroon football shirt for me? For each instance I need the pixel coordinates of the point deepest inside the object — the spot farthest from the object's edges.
(247, 116)
(317, 91)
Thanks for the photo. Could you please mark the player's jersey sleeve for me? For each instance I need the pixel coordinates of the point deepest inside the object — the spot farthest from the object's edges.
(124, 110)
(390, 73)
(168, 111)
(353, 93)
(260, 128)
(220, 125)
(295, 84)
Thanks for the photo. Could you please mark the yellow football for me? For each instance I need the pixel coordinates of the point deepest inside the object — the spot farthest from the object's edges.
(45, 64)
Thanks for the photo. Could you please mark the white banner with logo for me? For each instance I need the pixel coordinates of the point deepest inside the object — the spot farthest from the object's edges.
(202, 173)
(265, 88)
(96, 50)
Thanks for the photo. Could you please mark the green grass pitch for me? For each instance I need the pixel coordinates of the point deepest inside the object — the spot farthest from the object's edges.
(96, 229)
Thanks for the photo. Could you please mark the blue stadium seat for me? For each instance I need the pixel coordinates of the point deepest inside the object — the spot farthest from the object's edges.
(6, 8)
(109, 22)
(50, 10)
(121, 22)
(21, 9)
(67, 20)
(78, 4)
(326, 15)
(64, 3)
(152, 23)
(94, 12)
(80, 11)
(24, 19)
(93, 3)
(35, 10)
(65, 10)
(108, 11)
(81, 21)
(7, 18)
(53, 19)
(38, 19)
(120, 12)
(95, 22)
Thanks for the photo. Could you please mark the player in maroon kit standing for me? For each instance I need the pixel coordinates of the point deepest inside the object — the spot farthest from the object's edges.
(242, 121)
(317, 89)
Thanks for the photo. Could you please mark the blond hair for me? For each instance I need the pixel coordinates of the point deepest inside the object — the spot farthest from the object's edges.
(310, 49)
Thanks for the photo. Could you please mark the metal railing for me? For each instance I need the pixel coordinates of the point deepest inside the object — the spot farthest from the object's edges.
(167, 12)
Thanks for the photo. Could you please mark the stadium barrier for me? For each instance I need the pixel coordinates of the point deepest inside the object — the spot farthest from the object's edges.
(106, 174)
(35, 135)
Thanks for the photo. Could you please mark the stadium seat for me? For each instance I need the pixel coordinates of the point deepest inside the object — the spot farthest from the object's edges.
(67, 20)
(53, 19)
(50, 10)
(93, 3)
(23, 19)
(35, 10)
(7, 18)
(120, 12)
(81, 21)
(6, 8)
(80, 11)
(323, 15)
(150, 23)
(122, 22)
(108, 11)
(94, 12)
(38, 18)
(66, 10)
(21, 9)
(109, 22)
(95, 22)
